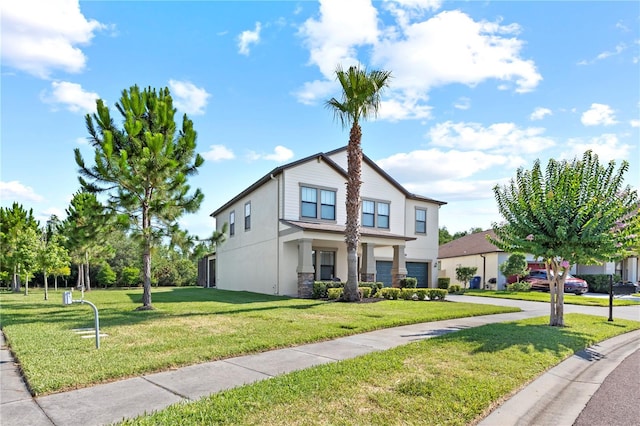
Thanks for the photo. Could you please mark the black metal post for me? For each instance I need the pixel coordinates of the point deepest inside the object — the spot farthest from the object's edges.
(610, 297)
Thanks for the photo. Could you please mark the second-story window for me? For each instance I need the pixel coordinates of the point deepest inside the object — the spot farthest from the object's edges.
(309, 206)
(247, 216)
(232, 223)
(375, 214)
(421, 221)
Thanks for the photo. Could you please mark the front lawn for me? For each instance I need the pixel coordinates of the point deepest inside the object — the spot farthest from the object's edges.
(189, 325)
(538, 296)
(454, 379)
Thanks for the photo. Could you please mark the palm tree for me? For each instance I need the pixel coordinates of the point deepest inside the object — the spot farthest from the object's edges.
(360, 100)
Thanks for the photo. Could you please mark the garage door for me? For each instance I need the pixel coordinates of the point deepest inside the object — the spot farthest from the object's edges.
(383, 272)
(419, 271)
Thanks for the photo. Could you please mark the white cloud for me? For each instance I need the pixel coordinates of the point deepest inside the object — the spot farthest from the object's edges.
(499, 137)
(311, 91)
(342, 26)
(634, 123)
(72, 96)
(218, 153)
(539, 113)
(603, 55)
(16, 191)
(607, 146)
(46, 214)
(402, 109)
(188, 98)
(39, 37)
(463, 103)
(247, 38)
(447, 48)
(280, 154)
(598, 114)
(82, 141)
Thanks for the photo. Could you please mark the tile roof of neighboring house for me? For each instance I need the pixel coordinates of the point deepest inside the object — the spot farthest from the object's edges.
(339, 229)
(469, 244)
(332, 164)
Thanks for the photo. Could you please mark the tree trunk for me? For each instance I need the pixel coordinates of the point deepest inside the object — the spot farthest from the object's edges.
(352, 228)
(55, 282)
(146, 260)
(15, 285)
(556, 291)
(80, 284)
(87, 280)
(46, 286)
(26, 283)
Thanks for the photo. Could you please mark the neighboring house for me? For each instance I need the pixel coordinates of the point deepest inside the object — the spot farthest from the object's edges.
(287, 230)
(475, 250)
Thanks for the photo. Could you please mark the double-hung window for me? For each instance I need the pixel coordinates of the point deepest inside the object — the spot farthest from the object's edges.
(232, 223)
(375, 214)
(247, 216)
(421, 221)
(317, 203)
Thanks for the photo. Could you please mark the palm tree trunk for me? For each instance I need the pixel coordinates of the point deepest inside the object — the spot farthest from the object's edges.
(352, 229)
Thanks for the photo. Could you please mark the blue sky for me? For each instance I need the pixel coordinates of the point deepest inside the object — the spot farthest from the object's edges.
(478, 90)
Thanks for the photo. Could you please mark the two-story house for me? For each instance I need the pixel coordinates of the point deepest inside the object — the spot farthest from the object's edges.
(287, 230)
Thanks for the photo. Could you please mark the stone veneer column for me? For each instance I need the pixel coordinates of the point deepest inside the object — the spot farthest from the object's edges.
(368, 267)
(306, 273)
(399, 266)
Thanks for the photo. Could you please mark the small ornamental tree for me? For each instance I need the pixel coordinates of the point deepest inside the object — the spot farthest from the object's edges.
(106, 276)
(573, 212)
(516, 265)
(465, 273)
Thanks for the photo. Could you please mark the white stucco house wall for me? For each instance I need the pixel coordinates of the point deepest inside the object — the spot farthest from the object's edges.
(287, 230)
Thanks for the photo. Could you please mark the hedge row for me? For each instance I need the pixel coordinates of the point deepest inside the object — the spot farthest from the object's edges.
(321, 288)
(599, 283)
(393, 293)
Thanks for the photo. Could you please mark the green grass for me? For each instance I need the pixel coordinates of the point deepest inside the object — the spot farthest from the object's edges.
(537, 296)
(189, 325)
(449, 380)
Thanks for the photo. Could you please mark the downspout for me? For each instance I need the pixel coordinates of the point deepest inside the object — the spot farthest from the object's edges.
(484, 271)
(277, 237)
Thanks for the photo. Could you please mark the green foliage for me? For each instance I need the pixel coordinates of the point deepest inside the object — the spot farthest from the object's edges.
(391, 293)
(320, 288)
(143, 168)
(599, 283)
(130, 276)
(455, 289)
(408, 282)
(436, 294)
(575, 211)
(516, 265)
(465, 273)
(375, 287)
(519, 286)
(444, 236)
(106, 276)
(334, 293)
(365, 291)
(14, 222)
(413, 293)
(444, 282)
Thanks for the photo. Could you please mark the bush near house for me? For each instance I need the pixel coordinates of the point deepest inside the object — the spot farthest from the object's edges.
(444, 282)
(599, 283)
(519, 286)
(408, 282)
(321, 288)
(336, 292)
(390, 293)
(455, 289)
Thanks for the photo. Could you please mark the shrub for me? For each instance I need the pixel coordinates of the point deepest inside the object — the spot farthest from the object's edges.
(455, 289)
(436, 293)
(319, 290)
(406, 293)
(519, 286)
(130, 276)
(422, 293)
(106, 276)
(408, 282)
(444, 282)
(365, 291)
(390, 292)
(334, 293)
(599, 283)
(374, 286)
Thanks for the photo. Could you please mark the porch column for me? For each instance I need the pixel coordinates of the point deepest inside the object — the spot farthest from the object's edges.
(632, 269)
(368, 267)
(399, 266)
(306, 274)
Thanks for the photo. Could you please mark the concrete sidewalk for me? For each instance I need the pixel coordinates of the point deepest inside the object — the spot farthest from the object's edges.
(113, 402)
